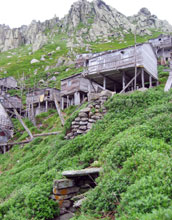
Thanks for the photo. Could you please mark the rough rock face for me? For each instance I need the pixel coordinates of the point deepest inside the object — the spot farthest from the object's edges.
(32, 34)
(95, 20)
(145, 21)
(85, 21)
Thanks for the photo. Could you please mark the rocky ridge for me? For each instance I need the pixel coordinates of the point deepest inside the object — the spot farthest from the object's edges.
(85, 22)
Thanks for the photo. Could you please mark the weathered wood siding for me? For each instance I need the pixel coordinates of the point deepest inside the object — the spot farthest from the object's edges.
(161, 42)
(149, 60)
(8, 82)
(124, 59)
(6, 126)
(14, 101)
(78, 83)
(34, 97)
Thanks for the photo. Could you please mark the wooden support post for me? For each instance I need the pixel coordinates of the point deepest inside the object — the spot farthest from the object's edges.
(150, 81)
(143, 78)
(4, 149)
(104, 83)
(58, 109)
(20, 119)
(77, 98)
(123, 80)
(131, 81)
(68, 101)
(46, 105)
(62, 104)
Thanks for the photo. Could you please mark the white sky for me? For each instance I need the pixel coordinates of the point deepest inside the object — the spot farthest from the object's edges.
(18, 12)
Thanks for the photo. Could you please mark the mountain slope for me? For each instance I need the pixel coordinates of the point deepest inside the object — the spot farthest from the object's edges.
(86, 22)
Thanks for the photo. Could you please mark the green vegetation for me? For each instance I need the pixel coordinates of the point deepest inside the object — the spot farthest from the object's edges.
(133, 143)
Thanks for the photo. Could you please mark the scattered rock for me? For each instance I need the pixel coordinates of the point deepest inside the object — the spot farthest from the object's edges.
(34, 61)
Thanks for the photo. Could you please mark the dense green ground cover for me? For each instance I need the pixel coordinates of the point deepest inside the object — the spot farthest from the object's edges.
(133, 144)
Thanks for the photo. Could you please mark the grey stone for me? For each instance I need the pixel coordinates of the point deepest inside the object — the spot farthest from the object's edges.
(84, 172)
(90, 125)
(83, 122)
(66, 204)
(92, 120)
(77, 119)
(66, 216)
(86, 110)
(64, 183)
(84, 119)
(83, 128)
(34, 61)
(83, 115)
(78, 203)
(80, 131)
(66, 191)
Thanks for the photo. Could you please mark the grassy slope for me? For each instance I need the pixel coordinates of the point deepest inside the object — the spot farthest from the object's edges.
(132, 143)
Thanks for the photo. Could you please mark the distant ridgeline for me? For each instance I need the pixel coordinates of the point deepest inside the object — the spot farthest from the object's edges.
(85, 22)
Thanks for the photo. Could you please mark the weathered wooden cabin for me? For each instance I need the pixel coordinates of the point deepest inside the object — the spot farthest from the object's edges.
(8, 83)
(11, 102)
(163, 47)
(6, 127)
(41, 100)
(74, 90)
(124, 70)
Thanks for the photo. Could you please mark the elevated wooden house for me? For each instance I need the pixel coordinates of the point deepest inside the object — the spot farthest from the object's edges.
(11, 102)
(6, 126)
(163, 47)
(74, 90)
(124, 70)
(41, 100)
(7, 84)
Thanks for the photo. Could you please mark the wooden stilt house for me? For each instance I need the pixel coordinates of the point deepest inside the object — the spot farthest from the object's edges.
(124, 70)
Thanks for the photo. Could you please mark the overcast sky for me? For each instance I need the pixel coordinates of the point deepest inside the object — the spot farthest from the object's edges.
(18, 12)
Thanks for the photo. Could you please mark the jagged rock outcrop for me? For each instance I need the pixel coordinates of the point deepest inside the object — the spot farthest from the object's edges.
(86, 21)
(32, 34)
(93, 20)
(145, 21)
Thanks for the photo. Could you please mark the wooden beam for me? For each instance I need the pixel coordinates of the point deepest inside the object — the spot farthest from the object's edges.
(143, 78)
(123, 80)
(58, 109)
(133, 79)
(150, 81)
(104, 82)
(20, 119)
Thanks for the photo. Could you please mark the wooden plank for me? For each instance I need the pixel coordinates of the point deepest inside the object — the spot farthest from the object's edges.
(123, 90)
(58, 110)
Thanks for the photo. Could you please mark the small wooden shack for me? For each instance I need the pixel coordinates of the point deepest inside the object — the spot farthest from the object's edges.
(163, 47)
(124, 70)
(41, 100)
(6, 126)
(8, 83)
(74, 90)
(11, 102)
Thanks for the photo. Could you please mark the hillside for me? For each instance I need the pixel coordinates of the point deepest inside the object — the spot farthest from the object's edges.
(132, 143)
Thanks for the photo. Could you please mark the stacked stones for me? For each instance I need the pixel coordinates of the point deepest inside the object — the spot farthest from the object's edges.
(69, 193)
(88, 116)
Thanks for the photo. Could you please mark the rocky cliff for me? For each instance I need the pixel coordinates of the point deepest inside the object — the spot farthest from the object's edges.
(85, 22)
